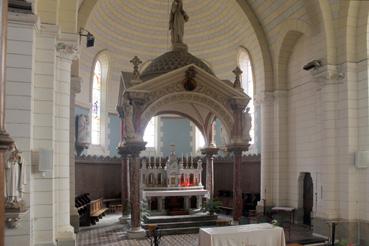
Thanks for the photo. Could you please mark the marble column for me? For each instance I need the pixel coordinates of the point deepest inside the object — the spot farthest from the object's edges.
(160, 204)
(125, 186)
(209, 153)
(133, 149)
(237, 150)
(75, 88)
(5, 139)
(186, 202)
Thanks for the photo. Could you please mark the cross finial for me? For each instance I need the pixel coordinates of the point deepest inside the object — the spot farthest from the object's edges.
(237, 83)
(136, 62)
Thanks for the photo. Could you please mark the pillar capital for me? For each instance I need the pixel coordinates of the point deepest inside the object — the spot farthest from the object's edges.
(132, 148)
(209, 151)
(237, 149)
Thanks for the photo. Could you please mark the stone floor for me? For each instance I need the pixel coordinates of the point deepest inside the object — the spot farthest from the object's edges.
(108, 231)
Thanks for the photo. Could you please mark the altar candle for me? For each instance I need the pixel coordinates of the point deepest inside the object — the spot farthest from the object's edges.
(186, 159)
(182, 158)
(149, 158)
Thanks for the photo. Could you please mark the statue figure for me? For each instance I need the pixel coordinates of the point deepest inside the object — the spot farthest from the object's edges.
(130, 132)
(14, 177)
(82, 130)
(246, 125)
(178, 17)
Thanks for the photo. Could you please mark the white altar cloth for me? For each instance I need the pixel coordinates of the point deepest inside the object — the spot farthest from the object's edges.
(244, 235)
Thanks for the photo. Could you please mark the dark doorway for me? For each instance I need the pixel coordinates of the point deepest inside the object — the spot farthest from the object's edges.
(154, 204)
(308, 198)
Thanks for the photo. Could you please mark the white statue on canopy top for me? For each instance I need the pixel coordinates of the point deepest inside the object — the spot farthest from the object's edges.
(178, 17)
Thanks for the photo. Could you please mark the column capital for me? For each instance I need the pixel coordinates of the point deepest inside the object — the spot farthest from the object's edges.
(209, 151)
(67, 51)
(264, 97)
(237, 149)
(132, 148)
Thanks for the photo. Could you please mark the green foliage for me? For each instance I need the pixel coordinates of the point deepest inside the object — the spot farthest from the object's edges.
(212, 206)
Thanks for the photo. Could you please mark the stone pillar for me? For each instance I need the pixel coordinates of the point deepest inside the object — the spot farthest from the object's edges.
(186, 202)
(266, 102)
(209, 153)
(237, 150)
(5, 139)
(125, 186)
(133, 149)
(75, 88)
(160, 204)
(199, 202)
(280, 157)
(66, 52)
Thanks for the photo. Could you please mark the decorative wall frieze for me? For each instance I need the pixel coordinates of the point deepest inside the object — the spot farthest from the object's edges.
(67, 51)
(278, 94)
(328, 74)
(265, 97)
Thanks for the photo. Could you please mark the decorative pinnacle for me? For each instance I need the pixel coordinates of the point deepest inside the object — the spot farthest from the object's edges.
(136, 62)
(237, 83)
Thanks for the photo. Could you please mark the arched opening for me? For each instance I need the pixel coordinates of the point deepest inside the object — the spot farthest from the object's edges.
(98, 101)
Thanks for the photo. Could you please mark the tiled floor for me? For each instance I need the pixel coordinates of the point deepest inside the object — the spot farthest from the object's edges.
(108, 231)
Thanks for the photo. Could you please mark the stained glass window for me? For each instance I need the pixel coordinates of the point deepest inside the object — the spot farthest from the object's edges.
(248, 86)
(96, 105)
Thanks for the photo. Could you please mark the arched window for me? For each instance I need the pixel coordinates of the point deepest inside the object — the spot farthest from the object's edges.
(247, 79)
(96, 105)
(98, 111)
(150, 133)
(199, 139)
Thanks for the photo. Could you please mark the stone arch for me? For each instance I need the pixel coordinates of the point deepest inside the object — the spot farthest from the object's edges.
(330, 42)
(291, 31)
(84, 12)
(263, 44)
(357, 30)
(220, 111)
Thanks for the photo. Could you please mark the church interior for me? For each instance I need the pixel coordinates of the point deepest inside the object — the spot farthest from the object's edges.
(184, 122)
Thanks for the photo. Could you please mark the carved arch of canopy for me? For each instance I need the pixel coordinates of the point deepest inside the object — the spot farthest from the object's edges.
(210, 99)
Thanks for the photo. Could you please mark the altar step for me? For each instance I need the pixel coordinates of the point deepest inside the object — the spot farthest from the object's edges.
(181, 224)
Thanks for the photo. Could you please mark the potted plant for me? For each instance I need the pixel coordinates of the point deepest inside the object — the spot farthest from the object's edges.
(212, 206)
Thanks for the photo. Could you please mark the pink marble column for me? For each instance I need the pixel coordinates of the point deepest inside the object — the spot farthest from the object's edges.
(125, 184)
(133, 149)
(210, 152)
(237, 192)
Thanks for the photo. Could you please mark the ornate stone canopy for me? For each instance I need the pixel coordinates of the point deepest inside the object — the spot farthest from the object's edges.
(189, 91)
(170, 61)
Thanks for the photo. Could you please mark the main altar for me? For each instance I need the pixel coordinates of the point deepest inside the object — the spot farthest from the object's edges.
(173, 187)
(180, 83)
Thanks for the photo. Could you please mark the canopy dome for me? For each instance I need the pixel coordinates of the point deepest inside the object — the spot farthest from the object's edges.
(170, 61)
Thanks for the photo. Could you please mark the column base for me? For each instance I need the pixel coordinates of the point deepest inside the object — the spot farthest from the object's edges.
(66, 239)
(74, 219)
(136, 233)
(124, 219)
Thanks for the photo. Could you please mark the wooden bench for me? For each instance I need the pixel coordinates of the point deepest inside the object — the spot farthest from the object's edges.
(97, 210)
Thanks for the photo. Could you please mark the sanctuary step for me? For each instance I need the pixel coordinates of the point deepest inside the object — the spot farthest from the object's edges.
(181, 224)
